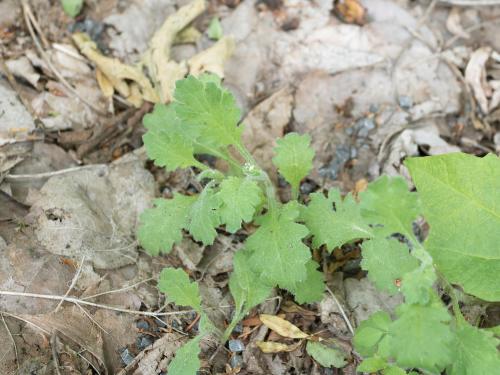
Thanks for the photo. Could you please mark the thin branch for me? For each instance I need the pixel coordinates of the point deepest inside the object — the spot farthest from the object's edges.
(118, 290)
(87, 303)
(13, 341)
(342, 312)
(72, 285)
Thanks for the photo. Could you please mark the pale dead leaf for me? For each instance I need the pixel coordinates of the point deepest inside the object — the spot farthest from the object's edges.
(282, 327)
(104, 84)
(276, 347)
(453, 24)
(475, 76)
(212, 59)
(116, 72)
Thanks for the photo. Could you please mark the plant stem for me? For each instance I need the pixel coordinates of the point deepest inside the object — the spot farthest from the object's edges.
(268, 185)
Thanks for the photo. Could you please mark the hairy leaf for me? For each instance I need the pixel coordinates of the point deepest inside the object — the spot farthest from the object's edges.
(474, 352)
(239, 197)
(421, 338)
(312, 288)
(370, 332)
(333, 221)
(72, 7)
(208, 108)
(167, 143)
(186, 361)
(461, 202)
(277, 252)
(294, 158)
(161, 226)
(175, 283)
(417, 284)
(388, 203)
(203, 216)
(393, 370)
(326, 356)
(372, 364)
(245, 285)
(386, 261)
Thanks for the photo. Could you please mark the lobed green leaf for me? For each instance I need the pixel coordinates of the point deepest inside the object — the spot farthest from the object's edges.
(461, 202)
(294, 157)
(175, 283)
(161, 226)
(334, 221)
(325, 355)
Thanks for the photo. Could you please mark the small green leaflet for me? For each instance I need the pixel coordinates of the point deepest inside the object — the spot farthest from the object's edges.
(186, 361)
(371, 332)
(311, 289)
(245, 286)
(474, 352)
(203, 216)
(421, 338)
(175, 283)
(333, 221)
(239, 198)
(165, 141)
(417, 284)
(294, 158)
(278, 254)
(386, 261)
(461, 202)
(72, 7)
(372, 364)
(209, 109)
(215, 29)
(326, 356)
(388, 202)
(161, 226)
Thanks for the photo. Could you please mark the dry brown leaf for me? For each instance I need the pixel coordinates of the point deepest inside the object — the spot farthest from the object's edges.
(117, 72)
(282, 327)
(276, 347)
(212, 59)
(350, 11)
(475, 76)
(164, 72)
(104, 84)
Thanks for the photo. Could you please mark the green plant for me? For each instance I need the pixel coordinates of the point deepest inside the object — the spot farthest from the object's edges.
(204, 119)
(72, 7)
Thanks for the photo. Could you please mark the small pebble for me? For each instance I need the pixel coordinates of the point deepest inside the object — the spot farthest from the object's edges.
(364, 126)
(143, 342)
(142, 324)
(236, 346)
(126, 357)
(238, 328)
(405, 102)
(236, 361)
(373, 108)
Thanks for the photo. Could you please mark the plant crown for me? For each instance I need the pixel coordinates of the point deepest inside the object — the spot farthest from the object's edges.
(458, 195)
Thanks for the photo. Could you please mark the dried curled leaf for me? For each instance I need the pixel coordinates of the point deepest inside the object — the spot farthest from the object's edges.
(276, 347)
(282, 327)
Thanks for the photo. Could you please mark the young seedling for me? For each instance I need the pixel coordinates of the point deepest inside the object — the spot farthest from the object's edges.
(460, 201)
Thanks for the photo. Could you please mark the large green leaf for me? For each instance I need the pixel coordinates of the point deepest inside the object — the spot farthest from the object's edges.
(461, 199)
(161, 226)
(334, 221)
(370, 333)
(167, 142)
(325, 355)
(204, 217)
(421, 338)
(386, 261)
(474, 352)
(186, 361)
(294, 158)
(175, 283)
(389, 206)
(239, 198)
(208, 108)
(278, 254)
(311, 289)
